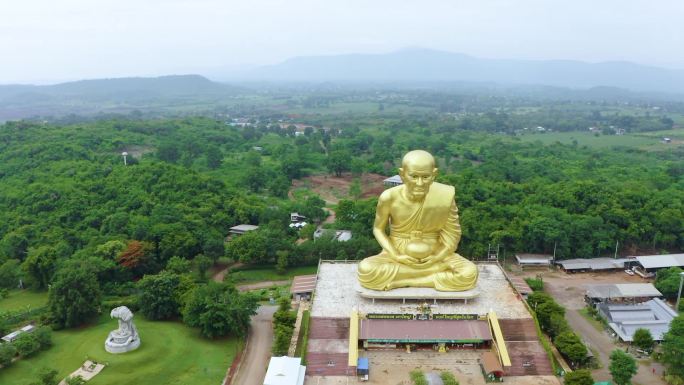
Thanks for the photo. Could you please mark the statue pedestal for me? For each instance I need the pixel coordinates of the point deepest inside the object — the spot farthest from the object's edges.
(338, 293)
(117, 344)
(418, 293)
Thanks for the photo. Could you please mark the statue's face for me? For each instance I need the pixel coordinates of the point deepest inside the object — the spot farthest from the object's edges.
(417, 177)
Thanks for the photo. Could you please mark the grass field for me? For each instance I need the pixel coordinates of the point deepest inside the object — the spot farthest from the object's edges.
(588, 139)
(267, 273)
(170, 353)
(21, 299)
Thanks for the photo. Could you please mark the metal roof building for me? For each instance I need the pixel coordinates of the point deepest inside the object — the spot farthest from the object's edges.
(654, 315)
(593, 264)
(622, 290)
(660, 261)
(534, 259)
(393, 181)
(382, 330)
(241, 229)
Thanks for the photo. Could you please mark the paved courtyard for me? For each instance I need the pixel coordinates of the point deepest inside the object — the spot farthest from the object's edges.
(337, 294)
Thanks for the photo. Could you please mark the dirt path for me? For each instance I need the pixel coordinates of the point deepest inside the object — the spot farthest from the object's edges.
(569, 291)
(218, 277)
(331, 215)
(261, 285)
(259, 342)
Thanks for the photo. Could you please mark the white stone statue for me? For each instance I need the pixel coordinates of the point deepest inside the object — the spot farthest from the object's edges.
(125, 338)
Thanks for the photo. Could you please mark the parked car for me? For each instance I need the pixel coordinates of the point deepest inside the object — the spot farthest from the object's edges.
(629, 271)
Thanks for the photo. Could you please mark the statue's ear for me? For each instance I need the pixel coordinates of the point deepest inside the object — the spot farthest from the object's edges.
(435, 171)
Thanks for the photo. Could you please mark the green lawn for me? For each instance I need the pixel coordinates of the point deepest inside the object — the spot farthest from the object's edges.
(593, 321)
(267, 273)
(21, 299)
(588, 139)
(170, 353)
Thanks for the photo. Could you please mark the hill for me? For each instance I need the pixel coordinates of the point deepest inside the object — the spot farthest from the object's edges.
(110, 96)
(423, 65)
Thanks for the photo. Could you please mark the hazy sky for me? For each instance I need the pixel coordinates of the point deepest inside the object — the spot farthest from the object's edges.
(53, 40)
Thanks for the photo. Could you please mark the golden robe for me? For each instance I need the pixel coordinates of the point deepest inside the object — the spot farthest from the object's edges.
(434, 222)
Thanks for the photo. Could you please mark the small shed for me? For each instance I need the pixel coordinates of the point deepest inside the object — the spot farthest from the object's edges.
(303, 287)
(337, 235)
(393, 181)
(532, 260)
(297, 217)
(491, 367)
(238, 230)
(285, 371)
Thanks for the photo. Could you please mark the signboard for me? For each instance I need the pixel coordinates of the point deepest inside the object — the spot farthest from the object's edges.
(389, 316)
(456, 317)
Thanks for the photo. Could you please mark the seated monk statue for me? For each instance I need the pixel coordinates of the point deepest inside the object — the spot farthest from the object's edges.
(420, 250)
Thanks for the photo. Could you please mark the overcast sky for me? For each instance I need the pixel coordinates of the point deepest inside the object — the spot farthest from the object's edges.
(55, 40)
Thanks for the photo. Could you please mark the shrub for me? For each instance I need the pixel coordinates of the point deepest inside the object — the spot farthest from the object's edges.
(44, 337)
(418, 377)
(7, 353)
(26, 344)
(448, 378)
(536, 284)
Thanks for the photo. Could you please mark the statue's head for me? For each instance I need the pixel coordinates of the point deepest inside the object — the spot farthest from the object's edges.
(418, 171)
(122, 313)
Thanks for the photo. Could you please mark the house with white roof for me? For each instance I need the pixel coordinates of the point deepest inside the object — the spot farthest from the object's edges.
(285, 371)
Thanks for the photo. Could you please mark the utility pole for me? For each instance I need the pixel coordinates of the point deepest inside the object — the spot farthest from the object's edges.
(679, 295)
(616, 248)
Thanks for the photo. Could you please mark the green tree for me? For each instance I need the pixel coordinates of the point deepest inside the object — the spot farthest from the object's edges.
(622, 367)
(75, 380)
(203, 264)
(219, 310)
(571, 346)
(178, 265)
(579, 377)
(667, 281)
(47, 376)
(643, 340)
(673, 347)
(7, 353)
(43, 336)
(74, 297)
(27, 344)
(40, 265)
(10, 273)
(282, 261)
(159, 296)
(214, 157)
(282, 335)
(168, 152)
(339, 161)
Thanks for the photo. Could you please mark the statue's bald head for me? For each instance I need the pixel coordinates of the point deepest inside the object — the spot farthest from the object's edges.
(418, 158)
(417, 171)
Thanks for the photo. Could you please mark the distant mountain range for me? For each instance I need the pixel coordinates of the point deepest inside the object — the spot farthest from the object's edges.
(123, 88)
(423, 65)
(122, 95)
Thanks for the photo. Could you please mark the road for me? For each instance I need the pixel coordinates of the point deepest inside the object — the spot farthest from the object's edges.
(568, 290)
(259, 342)
(261, 285)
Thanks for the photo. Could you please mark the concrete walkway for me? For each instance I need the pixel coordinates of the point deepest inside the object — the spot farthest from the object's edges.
(258, 349)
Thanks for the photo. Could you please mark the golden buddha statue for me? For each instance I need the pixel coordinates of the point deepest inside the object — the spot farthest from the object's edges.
(420, 250)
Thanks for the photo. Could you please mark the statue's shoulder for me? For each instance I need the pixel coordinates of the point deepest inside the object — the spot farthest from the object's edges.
(443, 189)
(389, 194)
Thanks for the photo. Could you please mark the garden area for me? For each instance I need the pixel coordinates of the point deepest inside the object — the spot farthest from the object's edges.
(170, 353)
